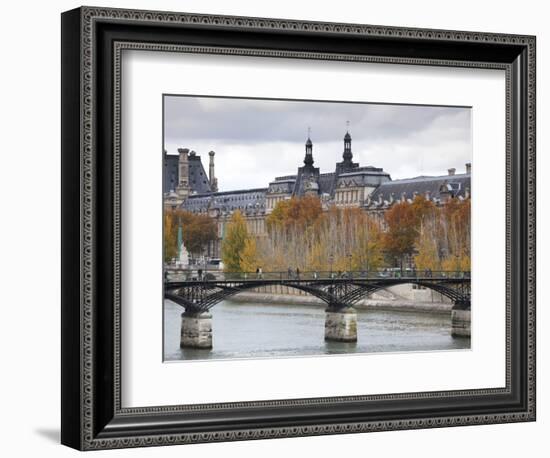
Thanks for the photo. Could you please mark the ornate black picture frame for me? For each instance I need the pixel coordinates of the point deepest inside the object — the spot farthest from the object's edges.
(92, 42)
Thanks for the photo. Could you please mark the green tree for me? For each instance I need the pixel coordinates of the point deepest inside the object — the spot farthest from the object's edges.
(234, 242)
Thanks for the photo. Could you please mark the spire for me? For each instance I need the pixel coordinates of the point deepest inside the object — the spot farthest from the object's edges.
(348, 156)
(308, 160)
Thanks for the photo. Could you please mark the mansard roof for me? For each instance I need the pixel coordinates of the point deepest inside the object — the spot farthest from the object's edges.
(170, 179)
(246, 200)
(457, 185)
(326, 183)
(282, 185)
(198, 179)
(367, 169)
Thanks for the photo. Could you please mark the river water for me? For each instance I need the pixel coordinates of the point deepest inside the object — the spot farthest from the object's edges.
(253, 330)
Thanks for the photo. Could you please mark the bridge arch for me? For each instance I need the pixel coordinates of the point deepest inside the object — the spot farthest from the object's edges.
(198, 297)
(226, 291)
(444, 288)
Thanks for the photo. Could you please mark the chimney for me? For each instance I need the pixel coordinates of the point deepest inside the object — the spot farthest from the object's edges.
(183, 173)
(452, 171)
(211, 175)
(468, 167)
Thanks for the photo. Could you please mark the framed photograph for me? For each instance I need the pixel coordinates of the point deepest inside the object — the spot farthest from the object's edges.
(276, 228)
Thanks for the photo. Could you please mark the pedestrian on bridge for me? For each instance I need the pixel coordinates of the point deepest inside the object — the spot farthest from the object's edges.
(297, 273)
(289, 272)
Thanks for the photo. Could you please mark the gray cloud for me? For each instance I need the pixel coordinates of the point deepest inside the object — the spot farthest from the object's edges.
(256, 140)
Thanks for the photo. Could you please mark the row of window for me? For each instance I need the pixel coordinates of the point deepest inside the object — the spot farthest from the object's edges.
(347, 196)
(272, 201)
(255, 226)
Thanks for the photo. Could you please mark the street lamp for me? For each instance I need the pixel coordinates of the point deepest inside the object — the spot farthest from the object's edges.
(330, 259)
(349, 256)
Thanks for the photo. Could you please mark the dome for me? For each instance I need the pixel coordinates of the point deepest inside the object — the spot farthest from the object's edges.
(347, 136)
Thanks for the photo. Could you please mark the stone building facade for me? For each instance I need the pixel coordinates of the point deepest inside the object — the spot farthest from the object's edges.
(187, 186)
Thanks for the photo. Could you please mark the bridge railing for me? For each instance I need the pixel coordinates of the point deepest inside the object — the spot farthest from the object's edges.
(293, 274)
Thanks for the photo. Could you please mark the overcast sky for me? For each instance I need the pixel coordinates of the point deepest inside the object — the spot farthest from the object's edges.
(257, 140)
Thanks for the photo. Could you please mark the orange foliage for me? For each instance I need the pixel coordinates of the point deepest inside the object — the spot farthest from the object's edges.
(298, 212)
(197, 230)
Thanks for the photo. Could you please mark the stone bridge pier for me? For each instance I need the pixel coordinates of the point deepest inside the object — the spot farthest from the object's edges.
(460, 319)
(196, 330)
(341, 324)
(197, 297)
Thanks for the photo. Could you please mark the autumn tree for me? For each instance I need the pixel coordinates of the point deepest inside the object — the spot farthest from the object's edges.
(249, 256)
(298, 212)
(404, 220)
(427, 251)
(170, 236)
(400, 237)
(200, 231)
(279, 215)
(197, 231)
(443, 242)
(368, 254)
(422, 208)
(456, 222)
(234, 242)
(301, 235)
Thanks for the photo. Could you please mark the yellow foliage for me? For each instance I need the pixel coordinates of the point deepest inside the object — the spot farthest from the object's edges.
(249, 258)
(234, 242)
(427, 257)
